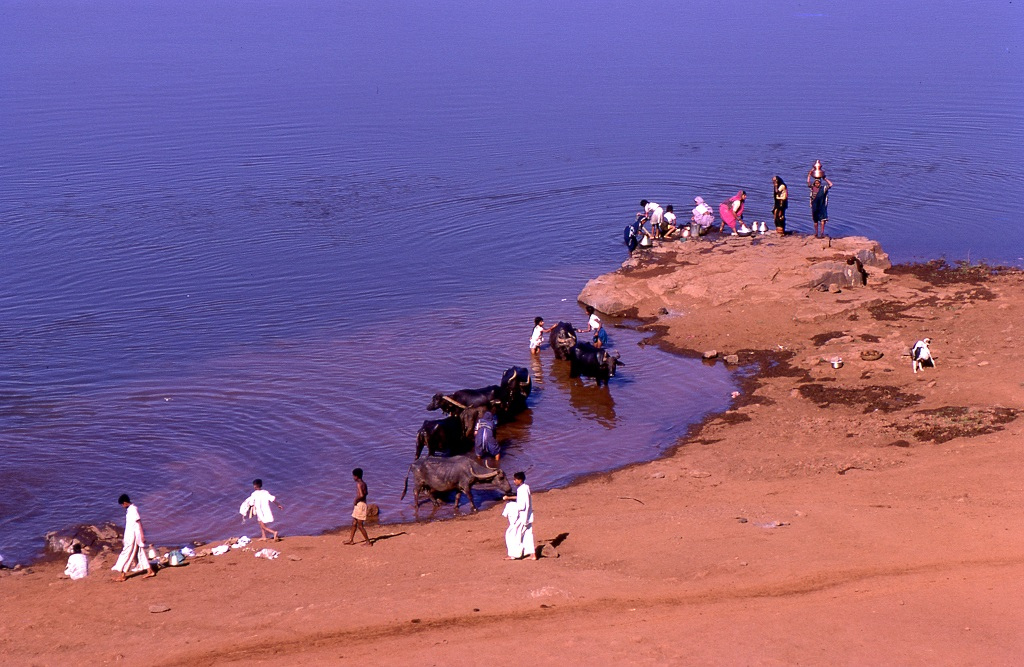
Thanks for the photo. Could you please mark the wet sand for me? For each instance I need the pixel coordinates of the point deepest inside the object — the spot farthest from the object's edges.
(865, 515)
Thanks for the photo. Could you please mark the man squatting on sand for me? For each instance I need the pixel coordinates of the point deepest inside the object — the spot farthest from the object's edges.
(78, 563)
(258, 504)
(359, 509)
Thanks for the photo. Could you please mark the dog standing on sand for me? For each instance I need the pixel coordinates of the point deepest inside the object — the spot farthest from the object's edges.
(921, 355)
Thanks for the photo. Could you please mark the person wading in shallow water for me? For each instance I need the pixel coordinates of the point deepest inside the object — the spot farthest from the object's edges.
(594, 325)
(359, 509)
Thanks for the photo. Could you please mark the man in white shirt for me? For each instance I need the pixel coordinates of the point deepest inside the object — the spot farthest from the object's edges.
(78, 563)
(519, 534)
(258, 504)
(134, 542)
(655, 213)
(594, 325)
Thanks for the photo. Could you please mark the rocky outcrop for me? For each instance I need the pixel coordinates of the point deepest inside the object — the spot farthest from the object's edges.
(93, 539)
(678, 278)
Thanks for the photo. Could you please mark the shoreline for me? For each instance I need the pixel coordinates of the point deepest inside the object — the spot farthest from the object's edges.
(865, 493)
(659, 337)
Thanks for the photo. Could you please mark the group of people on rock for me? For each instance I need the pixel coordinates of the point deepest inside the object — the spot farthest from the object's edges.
(663, 223)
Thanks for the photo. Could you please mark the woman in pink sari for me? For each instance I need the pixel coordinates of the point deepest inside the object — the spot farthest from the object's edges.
(731, 211)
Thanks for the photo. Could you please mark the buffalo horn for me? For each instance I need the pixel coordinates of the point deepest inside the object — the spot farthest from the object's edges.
(490, 475)
(451, 400)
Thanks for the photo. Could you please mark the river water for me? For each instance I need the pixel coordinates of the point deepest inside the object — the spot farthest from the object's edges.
(245, 239)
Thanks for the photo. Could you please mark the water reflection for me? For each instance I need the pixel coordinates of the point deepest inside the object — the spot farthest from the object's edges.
(587, 400)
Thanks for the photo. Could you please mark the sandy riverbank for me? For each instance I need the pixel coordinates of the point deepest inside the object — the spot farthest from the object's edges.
(864, 515)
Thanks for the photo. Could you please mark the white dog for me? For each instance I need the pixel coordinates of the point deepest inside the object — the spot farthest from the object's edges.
(921, 355)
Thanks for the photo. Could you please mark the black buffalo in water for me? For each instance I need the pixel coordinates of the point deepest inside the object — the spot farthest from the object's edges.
(505, 399)
(516, 386)
(445, 435)
(459, 473)
(457, 401)
(589, 361)
(562, 338)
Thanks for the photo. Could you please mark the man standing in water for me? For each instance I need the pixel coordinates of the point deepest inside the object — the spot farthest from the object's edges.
(134, 542)
(359, 509)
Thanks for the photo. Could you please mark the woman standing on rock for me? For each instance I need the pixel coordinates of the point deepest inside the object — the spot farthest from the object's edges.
(781, 202)
(819, 205)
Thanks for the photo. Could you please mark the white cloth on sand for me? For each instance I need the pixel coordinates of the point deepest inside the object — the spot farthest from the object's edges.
(259, 501)
(519, 534)
(78, 566)
(133, 549)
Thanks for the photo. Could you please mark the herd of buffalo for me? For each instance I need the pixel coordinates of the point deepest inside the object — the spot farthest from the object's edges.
(450, 464)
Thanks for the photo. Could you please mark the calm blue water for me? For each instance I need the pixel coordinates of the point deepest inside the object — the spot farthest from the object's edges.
(245, 239)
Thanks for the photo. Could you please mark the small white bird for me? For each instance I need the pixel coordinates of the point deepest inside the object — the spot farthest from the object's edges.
(921, 355)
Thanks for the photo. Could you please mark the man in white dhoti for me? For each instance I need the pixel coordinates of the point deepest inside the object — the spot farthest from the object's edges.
(258, 505)
(134, 543)
(78, 563)
(519, 534)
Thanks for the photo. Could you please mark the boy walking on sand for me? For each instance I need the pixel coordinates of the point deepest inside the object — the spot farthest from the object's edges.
(359, 509)
(258, 504)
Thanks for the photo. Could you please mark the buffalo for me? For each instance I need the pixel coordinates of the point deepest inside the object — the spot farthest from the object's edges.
(445, 435)
(456, 402)
(459, 473)
(589, 361)
(516, 386)
(562, 338)
(505, 399)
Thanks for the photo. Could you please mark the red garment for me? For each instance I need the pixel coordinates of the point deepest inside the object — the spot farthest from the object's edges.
(726, 211)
